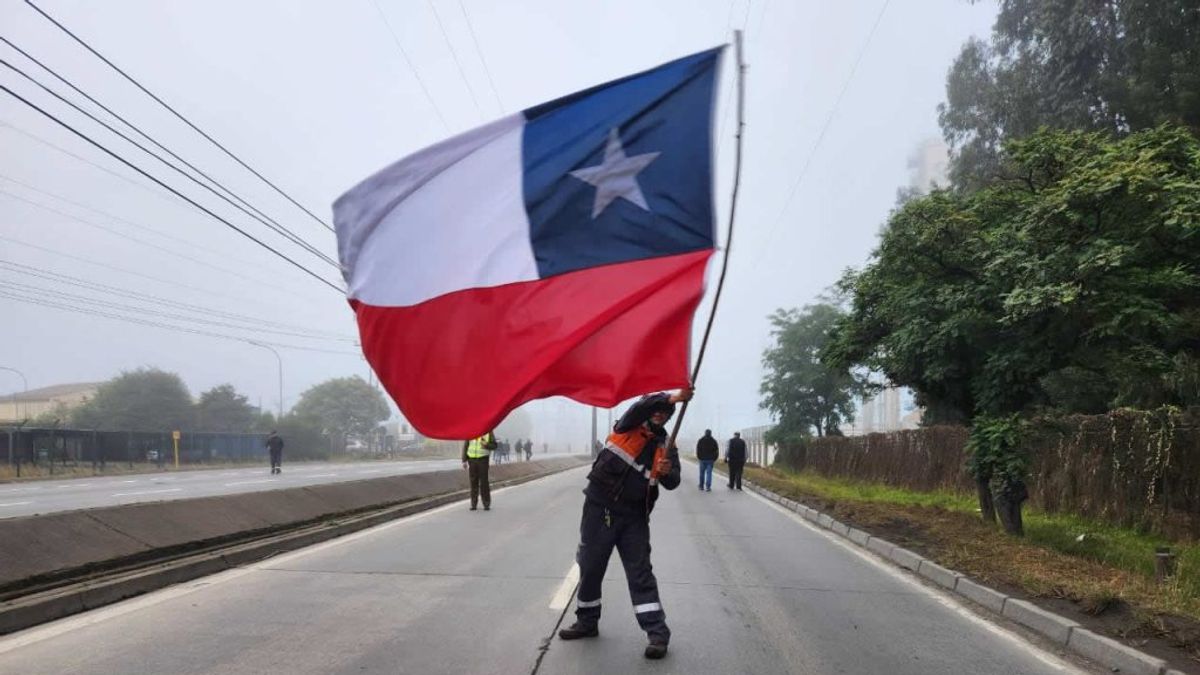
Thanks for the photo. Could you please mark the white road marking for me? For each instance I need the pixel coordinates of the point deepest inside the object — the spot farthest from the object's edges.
(371, 471)
(250, 482)
(145, 492)
(129, 481)
(21, 489)
(562, 597)
(322, 475)
(949, 602)
(15, 503)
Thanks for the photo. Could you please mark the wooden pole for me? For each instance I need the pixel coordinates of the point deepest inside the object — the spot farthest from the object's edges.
(737, 180)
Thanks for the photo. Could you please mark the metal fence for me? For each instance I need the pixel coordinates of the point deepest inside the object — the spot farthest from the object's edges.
(32, 445)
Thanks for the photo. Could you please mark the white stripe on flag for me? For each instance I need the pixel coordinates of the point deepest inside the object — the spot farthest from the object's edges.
(449, 218)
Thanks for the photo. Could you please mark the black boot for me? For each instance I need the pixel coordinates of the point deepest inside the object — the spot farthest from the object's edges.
(578, 630)
(656, 649)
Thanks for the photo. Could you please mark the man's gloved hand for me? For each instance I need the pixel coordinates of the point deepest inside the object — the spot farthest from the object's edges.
(682, 395)
(662, 466)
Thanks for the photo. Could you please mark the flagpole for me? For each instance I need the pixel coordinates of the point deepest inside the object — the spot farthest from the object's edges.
(737, 180)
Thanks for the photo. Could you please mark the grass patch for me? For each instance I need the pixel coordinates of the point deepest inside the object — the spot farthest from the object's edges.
(1097, 565)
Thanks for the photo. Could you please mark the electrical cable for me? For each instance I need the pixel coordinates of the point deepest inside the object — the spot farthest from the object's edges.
(176, 113)
(237, 338)
(145, 228)
(454, 55)
(126, 162)
(824, 129)
(68, 280)
(140, 132)
(412, 68)
(93, 302)
(479, 52)
(139, 242)
(270, 224)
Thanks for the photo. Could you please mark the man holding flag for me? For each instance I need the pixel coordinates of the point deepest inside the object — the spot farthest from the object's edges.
(559, 251)
(621, 491)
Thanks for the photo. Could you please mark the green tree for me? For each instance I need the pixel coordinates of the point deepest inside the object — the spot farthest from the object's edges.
(804, 394)
(146, 399)
(1080, 269)
(1115, 66)
(343, 407)
(223, 409)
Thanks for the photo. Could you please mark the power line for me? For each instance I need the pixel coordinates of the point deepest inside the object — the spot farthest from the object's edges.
(38, 139)
(479, 51)
(177, 193)
(77, 282)
(126, 221)
(825, 127)
(412, 68)
(92, 302)
(139, 131)
(122, 270)
(454, 55)
(270, 224)
(176, 113)
(181, 329)
(105, 228)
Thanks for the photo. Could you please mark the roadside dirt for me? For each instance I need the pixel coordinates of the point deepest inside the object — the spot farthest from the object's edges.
(1102, 598)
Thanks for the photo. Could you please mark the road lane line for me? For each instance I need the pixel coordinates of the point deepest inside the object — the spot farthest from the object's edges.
(937, 596)
(562, 597)
(15, 503)
(145, 492)
(129, 481)
(250, 482)
(322, 475)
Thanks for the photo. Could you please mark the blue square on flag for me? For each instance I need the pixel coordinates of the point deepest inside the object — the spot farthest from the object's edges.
(609, 178)
(557, 251)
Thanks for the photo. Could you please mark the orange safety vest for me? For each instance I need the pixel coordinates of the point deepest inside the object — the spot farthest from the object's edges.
(628, 445)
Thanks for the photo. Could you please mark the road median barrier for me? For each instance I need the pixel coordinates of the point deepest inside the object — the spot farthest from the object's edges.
(59, 564)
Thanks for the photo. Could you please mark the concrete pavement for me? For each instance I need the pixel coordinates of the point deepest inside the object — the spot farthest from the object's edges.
(50, 496)
(747, 587)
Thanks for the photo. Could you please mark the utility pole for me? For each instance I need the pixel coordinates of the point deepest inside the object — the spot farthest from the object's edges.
(17, 415)
(280, 360)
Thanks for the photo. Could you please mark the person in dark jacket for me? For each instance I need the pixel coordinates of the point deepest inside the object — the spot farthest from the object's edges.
(707, 453)
(735, 455)
(275, 448)
(620, 494)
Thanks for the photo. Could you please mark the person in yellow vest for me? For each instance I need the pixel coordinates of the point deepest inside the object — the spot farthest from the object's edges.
(621, 491)
(476, 454)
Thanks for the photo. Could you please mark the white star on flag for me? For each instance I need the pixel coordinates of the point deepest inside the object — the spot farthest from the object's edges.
(616, 176)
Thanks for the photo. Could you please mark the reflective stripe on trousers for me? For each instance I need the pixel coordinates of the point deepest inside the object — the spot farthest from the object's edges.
(600, 531)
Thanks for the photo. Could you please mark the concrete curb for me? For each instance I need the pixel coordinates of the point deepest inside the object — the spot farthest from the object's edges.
(37, 608)
(1103, 650)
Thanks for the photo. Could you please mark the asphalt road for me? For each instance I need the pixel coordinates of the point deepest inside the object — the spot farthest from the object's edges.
(748, 588)
(49, 496)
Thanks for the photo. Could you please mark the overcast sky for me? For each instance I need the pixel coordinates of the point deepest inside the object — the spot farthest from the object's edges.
(316, 96)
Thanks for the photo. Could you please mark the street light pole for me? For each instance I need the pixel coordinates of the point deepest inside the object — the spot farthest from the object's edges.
(25, 382)
(280, 360)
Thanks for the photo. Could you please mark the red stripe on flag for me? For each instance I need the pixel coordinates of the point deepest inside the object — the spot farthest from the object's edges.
(459, 363)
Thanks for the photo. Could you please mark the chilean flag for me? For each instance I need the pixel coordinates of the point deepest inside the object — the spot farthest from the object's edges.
(558, 251)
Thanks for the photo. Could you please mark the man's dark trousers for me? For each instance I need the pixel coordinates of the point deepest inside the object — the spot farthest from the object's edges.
(477, 472)
(735, 474)
(276, 458)
(600, 530)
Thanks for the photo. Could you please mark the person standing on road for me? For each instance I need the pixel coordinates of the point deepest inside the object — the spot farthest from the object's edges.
(529, 450)
(735, 456)
(707, 453)
(275, 448)
(475, 456)
(620, 494)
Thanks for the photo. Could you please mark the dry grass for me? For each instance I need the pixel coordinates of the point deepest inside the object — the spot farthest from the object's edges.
(947, 528)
